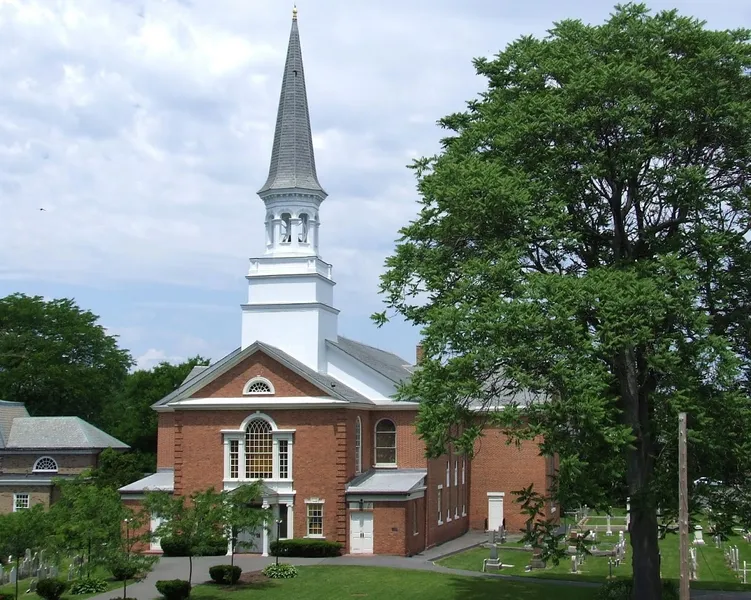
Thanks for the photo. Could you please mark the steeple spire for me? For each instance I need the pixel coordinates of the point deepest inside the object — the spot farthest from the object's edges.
(293, 164)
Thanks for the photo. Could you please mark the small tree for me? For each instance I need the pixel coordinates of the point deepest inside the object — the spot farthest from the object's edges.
(87, 518)
(194, 522)
(21, 530)
(120, 558)
(239, 515)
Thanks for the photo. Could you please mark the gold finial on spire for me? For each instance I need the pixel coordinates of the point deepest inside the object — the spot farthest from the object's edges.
(294, 12)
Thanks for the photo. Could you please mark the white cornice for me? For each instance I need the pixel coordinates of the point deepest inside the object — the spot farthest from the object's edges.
(289, 306)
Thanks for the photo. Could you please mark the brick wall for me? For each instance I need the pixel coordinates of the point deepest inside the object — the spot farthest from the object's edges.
(390, 528)
(165, 447)
(136, 506)
(410, 450)
(500, 467)
(415, 541)
(67, 464)
(451, 494)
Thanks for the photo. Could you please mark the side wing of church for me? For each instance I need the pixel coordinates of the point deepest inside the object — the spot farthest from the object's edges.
(311, 413)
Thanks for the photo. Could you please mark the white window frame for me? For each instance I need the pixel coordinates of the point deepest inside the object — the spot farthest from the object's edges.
(358, 446)
(415, 520)
(36, 468)
(253, 380)
(448, 473)
(375, 444)
(464, 471)
(439, 499)
(18, 496)
(313, 502)
(456, 472)
(277, 435)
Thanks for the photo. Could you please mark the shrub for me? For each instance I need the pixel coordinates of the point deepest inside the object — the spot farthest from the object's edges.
(88, 585)
(51, 589)
(621, 590)
(306, 548)
(7, 597)
(175, 546)
(280, 571)
(122, 571)
(225, 574)
(174, 589)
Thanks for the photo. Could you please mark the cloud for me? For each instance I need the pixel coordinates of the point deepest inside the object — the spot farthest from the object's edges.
(144, 129)
(152, 357)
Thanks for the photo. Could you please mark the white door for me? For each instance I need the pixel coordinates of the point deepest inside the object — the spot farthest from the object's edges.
(250, 541)
(156, 545)
(495, 510)
(361, 532)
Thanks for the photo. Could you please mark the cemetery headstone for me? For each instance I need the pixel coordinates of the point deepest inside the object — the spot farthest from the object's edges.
(32, 587)
(698, 535)
(52, 571)
(13, 575)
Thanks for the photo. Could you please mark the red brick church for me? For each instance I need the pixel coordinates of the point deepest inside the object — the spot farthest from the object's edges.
(312, 413)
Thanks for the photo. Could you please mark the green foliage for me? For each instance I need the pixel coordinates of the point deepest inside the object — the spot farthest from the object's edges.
(88, 585)
(582, 239)
(57, 359)
(310, 548)
(23, 529)
(7, 597)
(174, 589)
(124, 566)
(225, 574)
(180, 546)
(134, 422)
(621, 589)
(280, 571)
(116, 469)
(239, 514)
(51, 589)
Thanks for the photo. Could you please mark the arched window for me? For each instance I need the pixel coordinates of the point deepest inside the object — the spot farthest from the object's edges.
(385, 443)
(303, 237)
(259, 450)
(45, 465)
(286, 228)
(258, 386)
(358, 446)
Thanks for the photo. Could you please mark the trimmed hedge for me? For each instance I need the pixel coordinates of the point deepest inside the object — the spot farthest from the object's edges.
(51, 589)
(225, 574)
(306, 548)
(174, 589)
(175, 547)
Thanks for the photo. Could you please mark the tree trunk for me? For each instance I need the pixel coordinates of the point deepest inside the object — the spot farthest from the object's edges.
(640, 464)
(190, 570)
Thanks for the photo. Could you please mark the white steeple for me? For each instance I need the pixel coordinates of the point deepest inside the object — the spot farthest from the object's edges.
(291, 293)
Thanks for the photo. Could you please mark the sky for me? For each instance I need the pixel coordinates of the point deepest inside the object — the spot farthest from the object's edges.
(143, 128)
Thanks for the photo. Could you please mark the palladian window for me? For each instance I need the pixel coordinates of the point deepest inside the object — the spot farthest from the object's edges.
(259, 450)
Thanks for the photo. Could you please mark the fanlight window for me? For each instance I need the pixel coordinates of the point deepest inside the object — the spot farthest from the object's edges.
(385, 443)
(46, 464)
(259, 450)
(258, 386)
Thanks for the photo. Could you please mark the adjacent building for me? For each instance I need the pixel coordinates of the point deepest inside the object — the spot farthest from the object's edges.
(34, 451)
(312, 413)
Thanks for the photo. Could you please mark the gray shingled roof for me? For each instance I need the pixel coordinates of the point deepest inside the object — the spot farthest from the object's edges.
(193, 372)
(327, 384)
(387, 481)
(293, 163)
(8, 412)
(161, 481)
(58, 433)
(388, 364)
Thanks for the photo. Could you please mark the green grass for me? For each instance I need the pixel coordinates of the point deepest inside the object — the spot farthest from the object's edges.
(374, 583)
(97, 572)
(713, 573)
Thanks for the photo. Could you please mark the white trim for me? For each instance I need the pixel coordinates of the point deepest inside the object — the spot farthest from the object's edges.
(358, 445)
(496, 494)
(36, 462)
(261, 402)
(27, 482)
(315, 501)
(288, 306)
(439, 496)
(385, 497)
(258, 379)
(255, 416)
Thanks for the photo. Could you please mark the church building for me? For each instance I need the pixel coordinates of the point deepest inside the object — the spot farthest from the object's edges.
(311, 413)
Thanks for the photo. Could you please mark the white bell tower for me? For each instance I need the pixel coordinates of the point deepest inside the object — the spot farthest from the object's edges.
(290, 290)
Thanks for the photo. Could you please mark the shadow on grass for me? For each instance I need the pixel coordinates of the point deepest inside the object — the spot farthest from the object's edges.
(480, 588)
(215, 591)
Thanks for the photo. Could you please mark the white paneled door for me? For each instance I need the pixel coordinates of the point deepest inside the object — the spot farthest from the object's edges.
(361, 532)
(495, 510)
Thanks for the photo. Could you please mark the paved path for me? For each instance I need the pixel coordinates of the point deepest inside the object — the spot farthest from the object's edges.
(177, 568)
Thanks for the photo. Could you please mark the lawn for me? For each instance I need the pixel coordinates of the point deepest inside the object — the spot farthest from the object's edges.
(97, 572)
(713, 573)
(374, 583)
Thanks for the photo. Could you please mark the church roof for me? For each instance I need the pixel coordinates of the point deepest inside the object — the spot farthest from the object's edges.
(293, 163)
(58, 433)
(388, 364)
(333, 387)
(391, 481)
(161, 481)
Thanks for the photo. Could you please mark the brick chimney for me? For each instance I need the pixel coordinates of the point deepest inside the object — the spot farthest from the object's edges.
(419, 354)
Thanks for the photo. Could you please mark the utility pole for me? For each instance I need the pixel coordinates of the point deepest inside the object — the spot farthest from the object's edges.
(683, 507)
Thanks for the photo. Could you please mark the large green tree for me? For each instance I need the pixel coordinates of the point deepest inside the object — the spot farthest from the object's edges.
(57, 359)
(133, 420)
(22, 530)
(584, 235)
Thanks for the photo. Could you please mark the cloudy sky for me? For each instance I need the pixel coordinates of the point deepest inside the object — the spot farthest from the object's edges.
(144, 127)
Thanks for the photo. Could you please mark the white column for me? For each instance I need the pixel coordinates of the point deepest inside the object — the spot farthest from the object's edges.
(290, 518)
(242, 473)
(313, 234)
(295, 225)
(275, 458)
(265, 552)
(290, 453)
(276, 226)
(226, 458)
